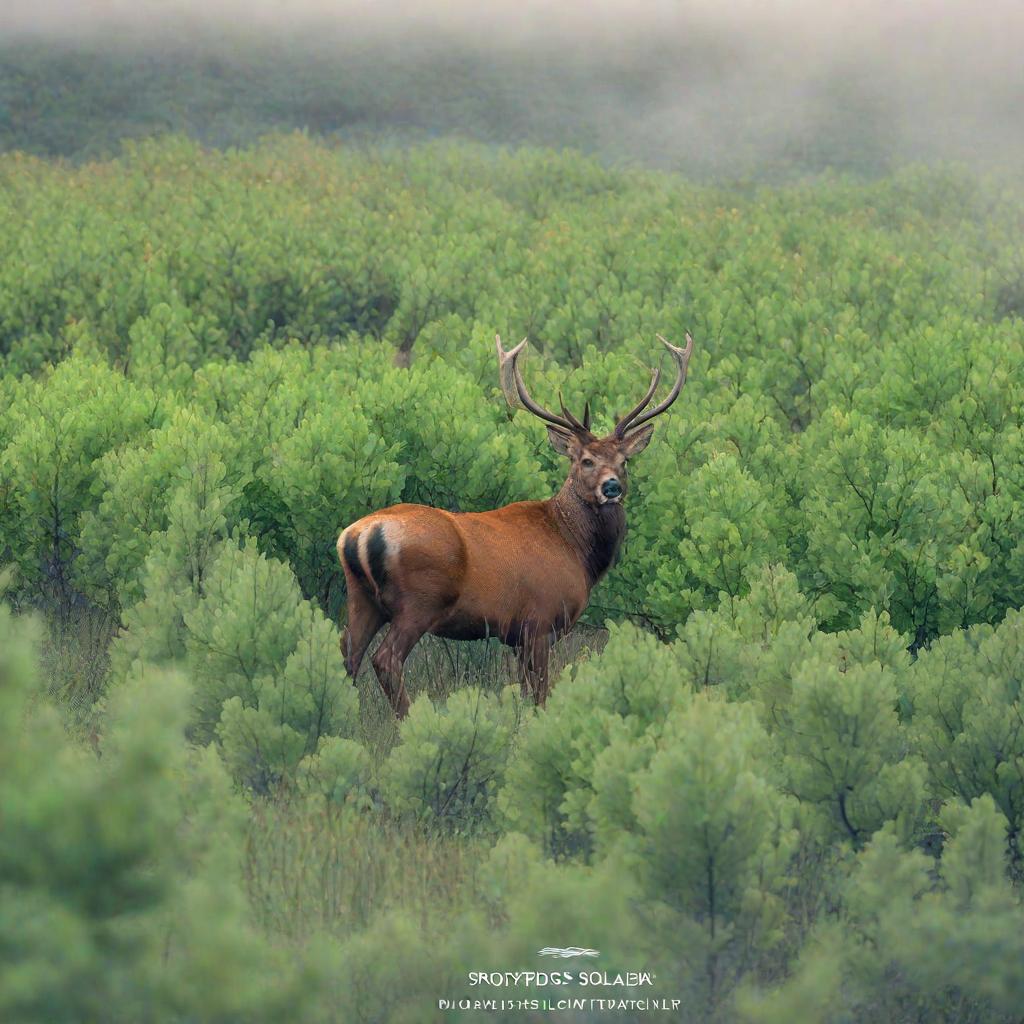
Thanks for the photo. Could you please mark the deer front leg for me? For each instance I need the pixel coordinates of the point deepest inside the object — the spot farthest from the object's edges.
(533, 659)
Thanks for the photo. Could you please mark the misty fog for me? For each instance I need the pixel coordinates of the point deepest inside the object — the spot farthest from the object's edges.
(730, 87)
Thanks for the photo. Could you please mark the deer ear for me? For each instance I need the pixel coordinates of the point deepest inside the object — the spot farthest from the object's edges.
(635, 443)
(559, 440)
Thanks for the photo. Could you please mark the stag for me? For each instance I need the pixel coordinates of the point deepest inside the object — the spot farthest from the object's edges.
(522, 573)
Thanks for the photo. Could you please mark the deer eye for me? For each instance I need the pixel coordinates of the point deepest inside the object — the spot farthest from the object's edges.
(586, 462)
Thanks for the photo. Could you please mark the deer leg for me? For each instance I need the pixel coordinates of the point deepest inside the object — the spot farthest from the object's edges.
(364, 620)
(533, 654)
(389, 661)
(523, 657)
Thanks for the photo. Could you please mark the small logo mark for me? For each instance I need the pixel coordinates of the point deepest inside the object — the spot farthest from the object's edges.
(569, 951)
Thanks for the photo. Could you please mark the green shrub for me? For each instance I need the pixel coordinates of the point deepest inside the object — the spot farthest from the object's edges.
(60, 427)
(712, 825)
(623, 695)
(847, 756)
(268, 678)
(121, 896)
(188, 459)
(339, 770)
(267, 669)
(328, 472)
(965, 694)
(451, 759)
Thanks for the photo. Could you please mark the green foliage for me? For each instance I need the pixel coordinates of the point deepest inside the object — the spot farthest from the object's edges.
(712, 825)
(885, 520)
(614, 708)
(59, 429)
(967, 703)
(338, 772)
(321, 476)
(269, 680)
(794, 769)
(450, 760)
(735, 529)
(187, 460)
(120, 896)
(846, 754)
(882, 963)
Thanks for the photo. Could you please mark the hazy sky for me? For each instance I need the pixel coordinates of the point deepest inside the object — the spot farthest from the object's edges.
(948, 74)
(945, 40)
(832, 23)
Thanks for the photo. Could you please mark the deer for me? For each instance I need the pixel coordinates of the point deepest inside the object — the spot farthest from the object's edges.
(522, 573)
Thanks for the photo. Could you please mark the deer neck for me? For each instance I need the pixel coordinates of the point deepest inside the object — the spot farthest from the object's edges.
(594, 531)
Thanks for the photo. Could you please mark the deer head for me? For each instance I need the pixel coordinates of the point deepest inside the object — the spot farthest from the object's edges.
(598, 464)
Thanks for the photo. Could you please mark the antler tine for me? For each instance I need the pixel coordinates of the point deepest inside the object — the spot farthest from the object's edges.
(576, 424)
(506, 377)
(623, 424)
(515, 390)
(682, 358)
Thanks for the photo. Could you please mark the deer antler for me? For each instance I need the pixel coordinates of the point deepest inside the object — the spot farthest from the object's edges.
(519, 398)
(506, 372)
(633, 419)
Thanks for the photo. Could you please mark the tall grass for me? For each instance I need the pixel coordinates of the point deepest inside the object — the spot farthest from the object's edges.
(311, 867)
(74, 662)
(439, 667)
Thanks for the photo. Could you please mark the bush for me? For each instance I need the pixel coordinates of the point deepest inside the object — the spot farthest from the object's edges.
(621, 698)
(713, 828)
(187, 459)
(451, 759)
(965, 694)
(269, 682)
(267, 668)
(121, 898)
(846, 754)
(60, 429)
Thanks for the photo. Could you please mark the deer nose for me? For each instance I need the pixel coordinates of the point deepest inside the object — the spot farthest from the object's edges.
(611, 488)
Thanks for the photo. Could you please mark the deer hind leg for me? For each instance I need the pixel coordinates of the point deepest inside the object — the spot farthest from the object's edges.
(364, 621)
(365, 616)
(389, 659)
